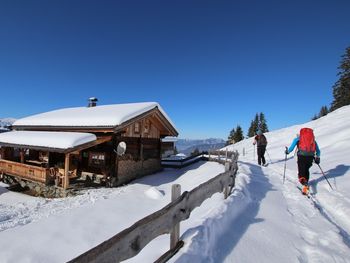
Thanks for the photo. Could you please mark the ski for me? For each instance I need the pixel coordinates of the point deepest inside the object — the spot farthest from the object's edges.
(308, 194)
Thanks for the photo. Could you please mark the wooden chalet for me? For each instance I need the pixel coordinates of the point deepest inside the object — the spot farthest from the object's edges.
(105, 145)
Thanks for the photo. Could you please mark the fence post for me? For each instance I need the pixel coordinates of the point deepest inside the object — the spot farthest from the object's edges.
(175, 232)
(226, 187)
(226, 155)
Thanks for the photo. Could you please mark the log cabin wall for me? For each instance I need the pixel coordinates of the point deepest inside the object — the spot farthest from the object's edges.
(129, 170)
(146, 128)
(142, 154)
(142, 157)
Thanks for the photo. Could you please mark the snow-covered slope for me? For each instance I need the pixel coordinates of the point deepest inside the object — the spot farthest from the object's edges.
(263, 220)
(266, 220)
(332, 134)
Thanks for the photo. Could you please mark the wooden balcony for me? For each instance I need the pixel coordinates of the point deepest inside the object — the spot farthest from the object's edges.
(25, 171)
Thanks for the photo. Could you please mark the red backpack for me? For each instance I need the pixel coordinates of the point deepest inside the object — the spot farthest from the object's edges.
(307, 144)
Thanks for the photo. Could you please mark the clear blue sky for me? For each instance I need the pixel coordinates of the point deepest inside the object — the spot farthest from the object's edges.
(210, 64)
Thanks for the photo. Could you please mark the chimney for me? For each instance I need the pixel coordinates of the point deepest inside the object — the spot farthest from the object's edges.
(92, 102)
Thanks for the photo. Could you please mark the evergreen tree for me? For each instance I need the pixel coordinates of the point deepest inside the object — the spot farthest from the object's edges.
(256, 123)
(230, 137)
(195, 152)
(341, 89)
(259, 123)
(262, 123)
(323, 112)
(238, 135)
(251, 130)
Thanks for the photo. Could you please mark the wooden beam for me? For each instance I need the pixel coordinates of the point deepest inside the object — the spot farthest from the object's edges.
(99, 140)
(66, 171)
(21, 153)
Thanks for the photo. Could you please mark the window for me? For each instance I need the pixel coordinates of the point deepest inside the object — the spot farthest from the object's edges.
(137, 127)
(97, 159)
(146, 128)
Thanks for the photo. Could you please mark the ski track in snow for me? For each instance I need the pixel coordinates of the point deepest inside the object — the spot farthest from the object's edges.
(306, 213)
(306, 217)
(23, 213)
(330, 216)
(333, 215)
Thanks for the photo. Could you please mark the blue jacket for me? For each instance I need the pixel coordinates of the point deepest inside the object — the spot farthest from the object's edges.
(295, 142)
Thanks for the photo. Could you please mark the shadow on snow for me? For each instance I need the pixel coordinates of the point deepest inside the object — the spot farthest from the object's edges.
(340, 170)
(227, 238)
(168, 175)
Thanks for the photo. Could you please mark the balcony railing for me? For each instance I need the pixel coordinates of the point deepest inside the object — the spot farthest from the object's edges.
(26, 171)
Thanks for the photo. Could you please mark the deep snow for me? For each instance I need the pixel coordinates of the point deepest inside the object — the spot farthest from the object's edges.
(101, 115)
(60, 140)
(263, 220)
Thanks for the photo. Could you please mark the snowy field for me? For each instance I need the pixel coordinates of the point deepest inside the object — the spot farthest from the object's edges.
(263, 220)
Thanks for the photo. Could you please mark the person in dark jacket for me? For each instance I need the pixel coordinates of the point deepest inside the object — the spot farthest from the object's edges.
(261, 142)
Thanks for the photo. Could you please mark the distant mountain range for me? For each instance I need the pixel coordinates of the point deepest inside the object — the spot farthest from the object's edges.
(6, 122)
(187, 146)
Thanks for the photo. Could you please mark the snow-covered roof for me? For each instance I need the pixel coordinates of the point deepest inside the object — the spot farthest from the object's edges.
(169, 139)
(57, 140)
(98, 116)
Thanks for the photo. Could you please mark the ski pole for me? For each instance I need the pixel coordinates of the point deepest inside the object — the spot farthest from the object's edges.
(254, 152)
(269, 156)
(325, 176)
(285, 165)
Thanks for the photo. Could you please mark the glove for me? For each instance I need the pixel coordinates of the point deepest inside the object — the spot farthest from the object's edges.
(317, 160)
(286, 151)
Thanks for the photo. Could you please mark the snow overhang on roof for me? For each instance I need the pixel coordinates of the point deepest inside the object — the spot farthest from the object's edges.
(99, 116)
(169, 139)
(56, 141)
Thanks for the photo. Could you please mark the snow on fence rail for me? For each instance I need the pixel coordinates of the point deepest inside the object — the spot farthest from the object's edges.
(132, 240)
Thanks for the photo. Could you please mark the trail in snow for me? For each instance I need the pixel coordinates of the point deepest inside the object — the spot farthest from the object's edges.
(320, 239)
(342, 231)
(266, 221)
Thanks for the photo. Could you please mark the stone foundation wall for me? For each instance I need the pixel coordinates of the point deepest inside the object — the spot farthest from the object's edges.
(129, 169)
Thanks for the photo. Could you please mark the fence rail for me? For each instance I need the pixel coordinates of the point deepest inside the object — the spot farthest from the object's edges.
(132, 240)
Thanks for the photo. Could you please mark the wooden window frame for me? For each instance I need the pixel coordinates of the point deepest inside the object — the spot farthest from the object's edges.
(97, 159)
(137, 127)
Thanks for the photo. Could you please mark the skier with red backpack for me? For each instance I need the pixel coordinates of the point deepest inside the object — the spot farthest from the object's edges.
(308, 151)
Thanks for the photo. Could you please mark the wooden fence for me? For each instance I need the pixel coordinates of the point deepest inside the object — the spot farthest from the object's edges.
(132, 240)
